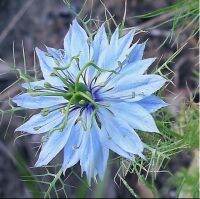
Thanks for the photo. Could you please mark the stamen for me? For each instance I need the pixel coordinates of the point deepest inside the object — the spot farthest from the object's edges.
(89, 64)
(88, 98)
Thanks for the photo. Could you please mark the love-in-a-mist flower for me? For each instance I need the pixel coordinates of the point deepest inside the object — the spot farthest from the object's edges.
(93, 96)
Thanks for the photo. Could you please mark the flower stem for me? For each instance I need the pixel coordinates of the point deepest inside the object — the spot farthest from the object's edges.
(52, 184)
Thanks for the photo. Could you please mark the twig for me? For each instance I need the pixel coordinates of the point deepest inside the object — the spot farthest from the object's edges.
(14, 20)
(155, 21)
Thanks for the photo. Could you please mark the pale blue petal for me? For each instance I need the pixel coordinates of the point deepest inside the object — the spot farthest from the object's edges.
(114, 53)
(111, 63)
(57, 54)
(40, 124)
(152, 103)
(47, 65)
(124, 45)
(100, 43)
(33, 85)
(135, 115)
(56, 142)
(27, 101)
(87, 157)
(136, 53)
(120, 133)
(72, 148)
(113, 146)
(102, 153)
(86, 117)
(93, 155)
(67, 42)
(76, 43)
(108, 59)
(98, 46)
(102, 78)
(133, 88)
(134, 68)
(115, 38)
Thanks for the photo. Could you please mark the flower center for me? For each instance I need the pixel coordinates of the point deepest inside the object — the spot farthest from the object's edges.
(78, 94)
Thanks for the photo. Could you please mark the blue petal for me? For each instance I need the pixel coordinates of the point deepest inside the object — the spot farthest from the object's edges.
(45, 123)
(86, 117)
(108, 142)
(152, 103)
(56, 142)
(33, 85)
(27, 101)
(72, 148)
(114, 53)
(108, 59)
(55, 53)
(134, 68)
(136, 116)
(61, 59)
(100, 43)
(94, 155)
(120, 133)
(114, 38)
(137, 68)
(76, 43)
(47, 65)
(137, 53)
(124, 46)
(67, 42)
(133, 88)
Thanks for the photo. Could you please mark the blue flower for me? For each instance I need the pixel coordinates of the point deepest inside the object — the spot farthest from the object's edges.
(93, 97)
